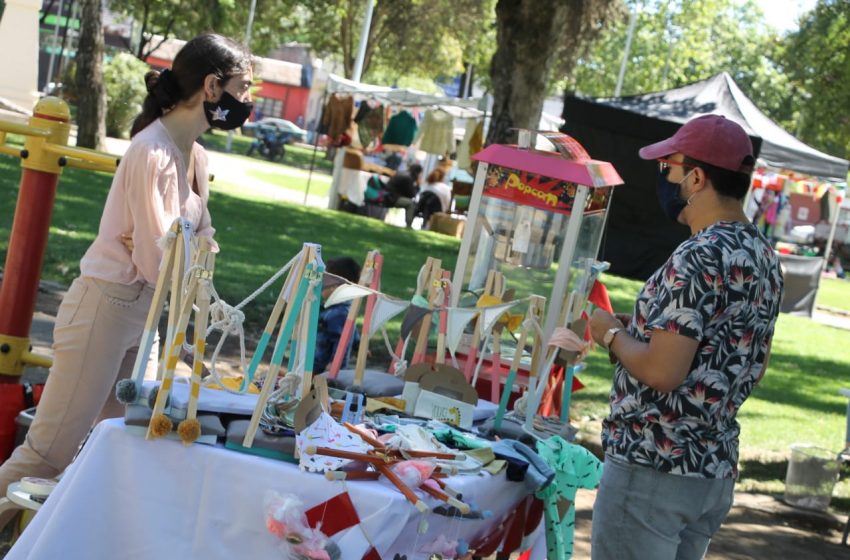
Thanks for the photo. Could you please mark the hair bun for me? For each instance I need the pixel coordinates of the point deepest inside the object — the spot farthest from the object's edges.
(163, 87)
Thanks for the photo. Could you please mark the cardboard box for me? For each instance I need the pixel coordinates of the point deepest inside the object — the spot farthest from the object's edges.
(447, 224)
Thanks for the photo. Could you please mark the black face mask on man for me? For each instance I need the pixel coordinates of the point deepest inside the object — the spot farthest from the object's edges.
(668, 195)
(228, 112)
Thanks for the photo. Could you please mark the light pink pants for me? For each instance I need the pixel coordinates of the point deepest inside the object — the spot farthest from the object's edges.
(95, 342)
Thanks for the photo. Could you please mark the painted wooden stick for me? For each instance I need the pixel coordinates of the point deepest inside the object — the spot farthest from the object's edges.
(311, 327)
(202, 317)
(421, 348)
(472, 354)
(157, 304)
(444, 317)
(175, 302)
(352, 475)
(351, 319)
(363, 349)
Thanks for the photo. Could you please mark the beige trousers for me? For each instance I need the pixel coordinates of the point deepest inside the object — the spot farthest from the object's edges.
(95, 342)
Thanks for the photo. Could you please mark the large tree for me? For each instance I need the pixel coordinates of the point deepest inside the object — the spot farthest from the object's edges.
(678, 42)
(406, 37)
(817, 60)
(91, 101)
(154, 21)
(535, 40)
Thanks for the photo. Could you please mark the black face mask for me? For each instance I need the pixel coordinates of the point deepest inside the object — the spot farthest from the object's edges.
(668, 195)
(227, 113)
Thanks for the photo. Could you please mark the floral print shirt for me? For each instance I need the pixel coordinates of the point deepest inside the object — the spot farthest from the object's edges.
(721, 287)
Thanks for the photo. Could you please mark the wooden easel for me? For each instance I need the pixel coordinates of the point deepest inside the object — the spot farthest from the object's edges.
(160, 424)
(305, 276)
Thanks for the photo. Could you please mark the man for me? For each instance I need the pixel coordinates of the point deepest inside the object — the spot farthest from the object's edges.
(698, 342)
(404, 187)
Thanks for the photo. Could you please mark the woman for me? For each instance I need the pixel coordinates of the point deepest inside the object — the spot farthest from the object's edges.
(435, 196)
(163, 175)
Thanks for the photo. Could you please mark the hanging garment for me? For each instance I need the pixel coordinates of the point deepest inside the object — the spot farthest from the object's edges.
(370, 122)
(437, 133)
(464, 151)
(401, 129)
(336, 118)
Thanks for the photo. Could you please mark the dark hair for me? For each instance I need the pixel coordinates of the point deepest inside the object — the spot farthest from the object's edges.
(415, 170)
(436, 176)
(203, 55)
(728, 183)
(346, 267)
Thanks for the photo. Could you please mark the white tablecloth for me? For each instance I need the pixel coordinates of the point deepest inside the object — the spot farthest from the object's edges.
(127, 498)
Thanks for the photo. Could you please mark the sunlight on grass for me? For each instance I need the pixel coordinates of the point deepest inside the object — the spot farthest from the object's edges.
(835, 293)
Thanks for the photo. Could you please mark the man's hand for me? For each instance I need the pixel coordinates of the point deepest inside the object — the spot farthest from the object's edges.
(600, 322)
(624, 318)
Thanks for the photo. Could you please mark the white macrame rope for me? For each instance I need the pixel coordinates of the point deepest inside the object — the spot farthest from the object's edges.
(230, 321)
(399, 363)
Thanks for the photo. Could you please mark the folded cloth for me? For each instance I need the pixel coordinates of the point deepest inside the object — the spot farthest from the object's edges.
(538, 475)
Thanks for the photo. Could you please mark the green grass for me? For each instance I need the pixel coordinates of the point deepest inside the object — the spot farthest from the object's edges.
(834, 292)
(320, 185)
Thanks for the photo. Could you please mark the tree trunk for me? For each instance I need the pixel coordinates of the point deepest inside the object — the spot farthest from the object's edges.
(532, 36)
(91, 102)
(527, 36)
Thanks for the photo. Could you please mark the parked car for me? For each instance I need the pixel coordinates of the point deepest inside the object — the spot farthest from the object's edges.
(295, 133)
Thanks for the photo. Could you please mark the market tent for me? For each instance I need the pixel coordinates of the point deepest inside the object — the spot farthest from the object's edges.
(639, 237)
(401, 97)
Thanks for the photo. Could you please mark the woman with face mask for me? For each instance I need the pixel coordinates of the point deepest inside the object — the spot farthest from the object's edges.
(697, 344)
(162, 176)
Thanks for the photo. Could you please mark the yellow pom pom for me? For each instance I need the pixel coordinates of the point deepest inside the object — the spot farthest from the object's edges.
(189, 430)
(160, 425)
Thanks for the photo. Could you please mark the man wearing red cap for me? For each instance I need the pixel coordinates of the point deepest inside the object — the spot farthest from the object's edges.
(697, 343)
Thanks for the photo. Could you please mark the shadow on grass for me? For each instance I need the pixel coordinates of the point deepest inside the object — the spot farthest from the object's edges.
(790, 376)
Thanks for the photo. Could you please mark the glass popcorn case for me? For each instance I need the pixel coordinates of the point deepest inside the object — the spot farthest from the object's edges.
(536, 217)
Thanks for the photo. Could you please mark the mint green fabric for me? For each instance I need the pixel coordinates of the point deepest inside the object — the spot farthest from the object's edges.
(575, 467)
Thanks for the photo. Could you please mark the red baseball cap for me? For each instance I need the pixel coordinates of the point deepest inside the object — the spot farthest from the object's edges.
(711, 139)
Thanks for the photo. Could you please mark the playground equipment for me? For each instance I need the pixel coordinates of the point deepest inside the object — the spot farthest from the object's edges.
(44, 155)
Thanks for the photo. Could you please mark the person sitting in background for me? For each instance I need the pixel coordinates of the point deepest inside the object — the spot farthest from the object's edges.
(435, 196)
(435, 184)
(332, 319)
(404, 187)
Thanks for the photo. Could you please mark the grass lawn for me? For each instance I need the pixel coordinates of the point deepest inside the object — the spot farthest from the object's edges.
(834, 292)
(797, 401)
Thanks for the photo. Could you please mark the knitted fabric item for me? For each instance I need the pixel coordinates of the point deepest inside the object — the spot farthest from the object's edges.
(575, 467)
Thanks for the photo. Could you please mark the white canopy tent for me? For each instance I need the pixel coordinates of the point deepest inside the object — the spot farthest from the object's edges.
(397, 97)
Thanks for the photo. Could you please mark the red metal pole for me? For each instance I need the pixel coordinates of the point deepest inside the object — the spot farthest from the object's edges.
(25, 255)
(27, 244)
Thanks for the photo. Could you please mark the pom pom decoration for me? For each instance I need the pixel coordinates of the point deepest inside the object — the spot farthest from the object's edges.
(161, 425)
(126, 391)
(189, 430)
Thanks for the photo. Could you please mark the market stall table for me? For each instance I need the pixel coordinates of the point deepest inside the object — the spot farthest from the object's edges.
(128, 498)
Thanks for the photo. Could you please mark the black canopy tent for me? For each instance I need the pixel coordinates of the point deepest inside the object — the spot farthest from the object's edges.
(639, 237)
